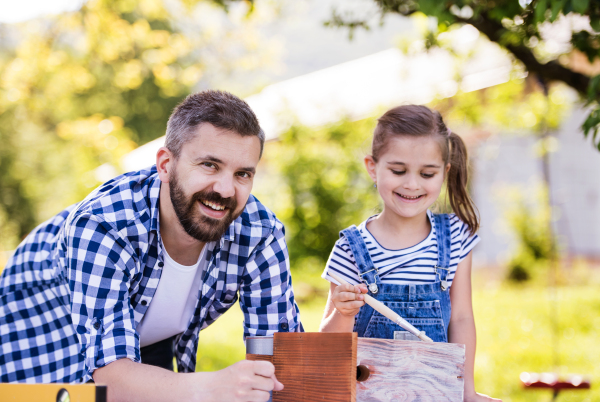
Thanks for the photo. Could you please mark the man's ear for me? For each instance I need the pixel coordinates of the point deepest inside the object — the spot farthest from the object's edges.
(165, 162)
(371, 167)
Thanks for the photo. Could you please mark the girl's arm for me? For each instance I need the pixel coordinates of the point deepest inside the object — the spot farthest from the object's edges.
(343, 303)
(462, 325)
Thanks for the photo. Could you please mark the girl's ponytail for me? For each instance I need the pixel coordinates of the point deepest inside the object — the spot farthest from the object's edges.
(459, 198)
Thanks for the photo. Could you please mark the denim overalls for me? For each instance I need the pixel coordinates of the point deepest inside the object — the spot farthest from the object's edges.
(427, 307)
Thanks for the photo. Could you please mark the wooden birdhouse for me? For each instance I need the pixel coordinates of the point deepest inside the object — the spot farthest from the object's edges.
(342, 367)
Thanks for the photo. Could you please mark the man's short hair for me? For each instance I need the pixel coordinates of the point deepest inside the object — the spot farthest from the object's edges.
(221, 109)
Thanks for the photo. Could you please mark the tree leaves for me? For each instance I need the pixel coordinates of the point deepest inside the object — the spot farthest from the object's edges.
(515, 25)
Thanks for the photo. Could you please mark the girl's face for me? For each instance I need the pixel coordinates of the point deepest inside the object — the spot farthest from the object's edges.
(409, 174)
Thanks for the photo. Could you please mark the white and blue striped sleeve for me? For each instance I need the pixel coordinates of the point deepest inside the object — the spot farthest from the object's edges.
(468, 240)
(341, 262)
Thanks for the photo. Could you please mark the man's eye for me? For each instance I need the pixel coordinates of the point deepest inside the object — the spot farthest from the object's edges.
(244, 175)
(398, 172)
(209, 165)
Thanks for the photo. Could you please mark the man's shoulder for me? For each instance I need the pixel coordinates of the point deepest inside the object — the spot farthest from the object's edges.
(257, 214)
(128, 197)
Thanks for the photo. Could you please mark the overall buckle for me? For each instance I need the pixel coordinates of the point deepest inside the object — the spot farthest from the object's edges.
(443, 283)
(372, 286)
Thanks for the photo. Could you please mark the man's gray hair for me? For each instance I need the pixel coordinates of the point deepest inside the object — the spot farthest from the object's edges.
(221, 109)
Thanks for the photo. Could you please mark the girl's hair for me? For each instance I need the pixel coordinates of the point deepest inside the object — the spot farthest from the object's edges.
(420, 121)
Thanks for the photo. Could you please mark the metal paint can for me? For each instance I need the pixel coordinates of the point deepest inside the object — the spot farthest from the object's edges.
(260, 345)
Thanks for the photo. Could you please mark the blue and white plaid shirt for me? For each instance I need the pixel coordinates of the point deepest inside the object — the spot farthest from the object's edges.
(79, 284)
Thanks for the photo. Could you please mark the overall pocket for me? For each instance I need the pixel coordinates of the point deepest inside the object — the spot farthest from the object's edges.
(424, 315)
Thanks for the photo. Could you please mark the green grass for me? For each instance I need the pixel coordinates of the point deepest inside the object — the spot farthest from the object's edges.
(514, 332)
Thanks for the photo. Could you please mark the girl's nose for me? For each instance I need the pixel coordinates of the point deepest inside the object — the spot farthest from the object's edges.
(411, 182)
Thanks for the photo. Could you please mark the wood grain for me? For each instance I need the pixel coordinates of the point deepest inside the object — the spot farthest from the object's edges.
(315, 366)
(267, 358)
(410, 371)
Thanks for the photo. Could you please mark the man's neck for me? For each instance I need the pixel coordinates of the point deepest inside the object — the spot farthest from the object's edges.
(182, 247)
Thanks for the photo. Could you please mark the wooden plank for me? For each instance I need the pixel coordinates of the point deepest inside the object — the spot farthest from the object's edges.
(259, 357)
(410, 371)
(315, 366)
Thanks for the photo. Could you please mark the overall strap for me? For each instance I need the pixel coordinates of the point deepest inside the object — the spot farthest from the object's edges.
(444, 239)
(367, 271)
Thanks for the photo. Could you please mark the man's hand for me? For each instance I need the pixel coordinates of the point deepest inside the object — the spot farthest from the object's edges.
(245, 381)
(348, 299)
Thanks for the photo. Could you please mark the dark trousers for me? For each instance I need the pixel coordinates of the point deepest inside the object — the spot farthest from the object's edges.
(160, 354)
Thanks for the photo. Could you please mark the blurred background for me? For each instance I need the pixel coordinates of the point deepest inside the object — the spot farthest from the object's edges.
(86, 88)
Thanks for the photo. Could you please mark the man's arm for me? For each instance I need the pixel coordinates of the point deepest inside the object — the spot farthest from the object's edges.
(266, 294)
(100, 271)
(241, 382)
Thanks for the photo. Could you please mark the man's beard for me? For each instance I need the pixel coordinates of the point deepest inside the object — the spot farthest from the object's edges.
(200, 227)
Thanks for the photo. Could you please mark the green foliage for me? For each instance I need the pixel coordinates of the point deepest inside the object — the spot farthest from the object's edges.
(82, 89)
(512, 106)
(536, 247)
(325, 186)
(521, 27)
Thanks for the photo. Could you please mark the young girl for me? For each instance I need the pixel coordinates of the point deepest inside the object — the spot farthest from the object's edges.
(416, 262)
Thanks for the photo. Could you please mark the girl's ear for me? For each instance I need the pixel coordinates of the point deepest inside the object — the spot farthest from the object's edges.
(164, 163)
(448, 168)
(371, 166)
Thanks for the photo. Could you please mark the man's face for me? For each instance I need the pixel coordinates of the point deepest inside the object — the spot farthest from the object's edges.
(212, 179)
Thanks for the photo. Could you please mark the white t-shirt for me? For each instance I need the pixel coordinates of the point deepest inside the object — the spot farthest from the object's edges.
(174, 301)
(412, 265)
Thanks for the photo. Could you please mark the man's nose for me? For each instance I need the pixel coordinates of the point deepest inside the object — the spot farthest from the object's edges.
(225, 186)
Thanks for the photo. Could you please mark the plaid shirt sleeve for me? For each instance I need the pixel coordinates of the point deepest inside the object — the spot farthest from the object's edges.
(100, 267)
(266, 294)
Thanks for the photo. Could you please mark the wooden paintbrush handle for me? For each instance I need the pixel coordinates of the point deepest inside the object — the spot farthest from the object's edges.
(387, 312)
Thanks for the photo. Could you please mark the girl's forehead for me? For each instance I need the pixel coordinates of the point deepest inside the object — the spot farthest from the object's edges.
(420, 150)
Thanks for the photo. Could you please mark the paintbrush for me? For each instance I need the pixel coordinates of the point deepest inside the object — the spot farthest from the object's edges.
(386, 311)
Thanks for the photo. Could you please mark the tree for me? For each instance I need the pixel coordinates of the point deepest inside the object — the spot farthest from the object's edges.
(521, 27)
(82, 89)
(318, 186)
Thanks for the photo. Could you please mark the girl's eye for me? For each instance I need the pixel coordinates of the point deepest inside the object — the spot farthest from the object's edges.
(398, 172)
(428, 175)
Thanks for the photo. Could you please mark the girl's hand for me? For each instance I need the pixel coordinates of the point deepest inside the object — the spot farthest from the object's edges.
(348, 299)
(477, 397)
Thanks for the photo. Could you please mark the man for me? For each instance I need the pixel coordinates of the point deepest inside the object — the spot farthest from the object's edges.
(133, 272)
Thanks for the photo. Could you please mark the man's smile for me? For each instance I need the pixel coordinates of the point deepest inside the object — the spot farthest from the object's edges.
(213, 205)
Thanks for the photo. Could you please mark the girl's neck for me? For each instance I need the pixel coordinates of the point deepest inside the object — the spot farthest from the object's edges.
(396, 232)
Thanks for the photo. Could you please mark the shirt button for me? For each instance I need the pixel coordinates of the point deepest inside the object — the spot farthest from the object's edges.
(160, 264)
(284, 326)
(96, 325)
(144, 302)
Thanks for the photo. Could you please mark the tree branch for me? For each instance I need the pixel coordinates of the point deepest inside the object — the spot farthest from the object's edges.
(551, 71)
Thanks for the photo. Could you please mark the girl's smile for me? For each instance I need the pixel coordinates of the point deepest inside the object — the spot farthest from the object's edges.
(409, 199)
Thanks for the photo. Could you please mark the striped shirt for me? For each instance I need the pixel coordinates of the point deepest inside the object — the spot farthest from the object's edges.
(412, 265)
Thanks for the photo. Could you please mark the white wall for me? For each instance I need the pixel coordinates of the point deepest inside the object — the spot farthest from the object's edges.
(507, 163)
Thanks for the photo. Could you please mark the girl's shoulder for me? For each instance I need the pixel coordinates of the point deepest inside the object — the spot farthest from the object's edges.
(461, 235)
